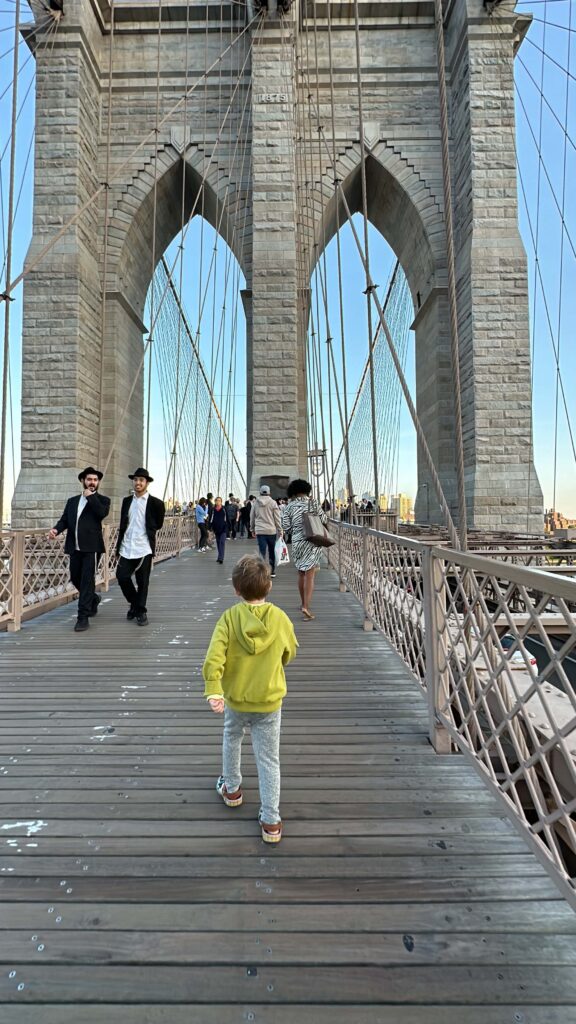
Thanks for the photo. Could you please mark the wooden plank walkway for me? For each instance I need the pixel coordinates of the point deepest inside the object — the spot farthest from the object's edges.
(130, 895)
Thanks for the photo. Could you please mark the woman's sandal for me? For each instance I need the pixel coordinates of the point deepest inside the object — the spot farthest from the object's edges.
(307, 614)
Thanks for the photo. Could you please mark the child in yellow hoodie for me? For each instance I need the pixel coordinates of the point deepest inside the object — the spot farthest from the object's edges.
(244, 676)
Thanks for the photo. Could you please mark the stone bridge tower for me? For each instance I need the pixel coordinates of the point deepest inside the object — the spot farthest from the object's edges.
(77, 377)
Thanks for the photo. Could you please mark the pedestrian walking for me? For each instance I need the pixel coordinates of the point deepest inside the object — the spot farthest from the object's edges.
(141, 516)
(244, 679)
(244, 519)
(305, 555)
(82, 520)
(231, 507)
(265, 523)
(201, 517)
(210, 509)
(218, 525)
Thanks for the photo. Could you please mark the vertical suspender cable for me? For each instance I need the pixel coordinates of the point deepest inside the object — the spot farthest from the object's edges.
(561, 268)
(536, 275)
(181, 250)
(454, 342)
(154, 212)
(349, 485)
(316, 351)
(6, 351)
(146, 347)
(106, 218)
(398, 366)
(369, 285)
(200, 276)
(324, 280)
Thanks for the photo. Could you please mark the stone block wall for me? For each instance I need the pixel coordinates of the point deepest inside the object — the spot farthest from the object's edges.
(276, 231)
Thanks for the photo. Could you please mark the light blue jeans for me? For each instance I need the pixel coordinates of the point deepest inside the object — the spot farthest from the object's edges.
(265, 731)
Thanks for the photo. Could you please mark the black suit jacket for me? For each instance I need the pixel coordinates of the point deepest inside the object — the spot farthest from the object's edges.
(155, 512)
(90, 536)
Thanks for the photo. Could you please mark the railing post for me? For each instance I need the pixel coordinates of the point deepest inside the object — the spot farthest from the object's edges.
(368, 624)
(17, 602)
(436, 667)
(341, 584)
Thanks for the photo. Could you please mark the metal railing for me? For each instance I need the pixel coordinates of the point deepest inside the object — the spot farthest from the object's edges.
(492, 645)
(34, 571)
(388, 519)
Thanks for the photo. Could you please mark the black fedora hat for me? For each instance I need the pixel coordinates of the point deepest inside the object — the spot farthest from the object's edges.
(90, 470)
(141, 472)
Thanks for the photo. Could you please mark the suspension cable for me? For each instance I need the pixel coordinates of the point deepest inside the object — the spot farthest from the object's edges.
(454, 339)
(154, 226)
(118, 171)
(6, 349)
(366, 261)
(427, 455)
(534, 232)
(223, 208)
(561, 268)
(415, 418)
(152, 325)
(106, 226)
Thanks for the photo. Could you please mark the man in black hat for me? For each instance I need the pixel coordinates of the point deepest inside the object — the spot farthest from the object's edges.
(141, 516)
(82, 519)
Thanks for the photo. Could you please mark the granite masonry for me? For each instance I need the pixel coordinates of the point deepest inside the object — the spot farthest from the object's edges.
(273, 200)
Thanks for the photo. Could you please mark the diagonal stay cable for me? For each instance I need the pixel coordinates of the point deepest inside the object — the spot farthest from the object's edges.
(152, 326)
(455, 540)
(116, 173)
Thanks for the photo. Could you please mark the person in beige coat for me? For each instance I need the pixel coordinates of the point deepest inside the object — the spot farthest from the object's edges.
(265, 523)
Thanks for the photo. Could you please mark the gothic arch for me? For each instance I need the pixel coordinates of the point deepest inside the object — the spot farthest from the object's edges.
(401, 206)
(129, 268)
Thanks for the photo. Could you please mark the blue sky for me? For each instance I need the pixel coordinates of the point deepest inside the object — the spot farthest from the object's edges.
(552, 261)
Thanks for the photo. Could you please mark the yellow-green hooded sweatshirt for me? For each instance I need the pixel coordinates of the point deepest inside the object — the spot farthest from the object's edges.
(245, 661)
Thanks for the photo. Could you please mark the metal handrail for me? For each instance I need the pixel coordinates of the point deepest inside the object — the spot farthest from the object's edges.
(34, 575)
(492, 645)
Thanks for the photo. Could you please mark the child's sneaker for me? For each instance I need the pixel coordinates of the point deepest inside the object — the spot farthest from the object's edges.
(230, 799)
(270, 833)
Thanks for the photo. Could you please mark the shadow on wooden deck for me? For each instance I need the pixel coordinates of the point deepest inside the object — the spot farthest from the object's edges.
(130, 895)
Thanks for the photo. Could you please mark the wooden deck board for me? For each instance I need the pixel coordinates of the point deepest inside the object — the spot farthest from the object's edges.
(400, 893)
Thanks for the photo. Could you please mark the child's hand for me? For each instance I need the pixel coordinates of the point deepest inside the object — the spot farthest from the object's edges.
(217, 705)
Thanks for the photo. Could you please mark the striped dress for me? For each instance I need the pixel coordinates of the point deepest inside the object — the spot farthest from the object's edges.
(304, 554)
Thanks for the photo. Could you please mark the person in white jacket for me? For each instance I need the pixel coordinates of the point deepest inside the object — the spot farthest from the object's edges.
(265, 523)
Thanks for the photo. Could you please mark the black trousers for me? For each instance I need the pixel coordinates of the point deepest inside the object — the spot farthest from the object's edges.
(83, 575)
(203, 538)
(140, 568)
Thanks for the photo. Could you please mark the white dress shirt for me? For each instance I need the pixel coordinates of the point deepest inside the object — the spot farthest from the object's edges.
(81, 507)
(135, 543)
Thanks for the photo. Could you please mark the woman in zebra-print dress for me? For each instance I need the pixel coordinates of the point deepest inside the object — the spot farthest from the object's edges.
(306, 556)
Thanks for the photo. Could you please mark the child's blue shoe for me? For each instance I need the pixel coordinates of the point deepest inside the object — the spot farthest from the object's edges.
(230, 799)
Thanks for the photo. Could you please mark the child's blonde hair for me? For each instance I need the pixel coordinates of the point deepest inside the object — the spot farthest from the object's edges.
(251, 578)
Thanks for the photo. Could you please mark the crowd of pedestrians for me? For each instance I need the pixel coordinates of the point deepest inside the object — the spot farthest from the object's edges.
(253, 641)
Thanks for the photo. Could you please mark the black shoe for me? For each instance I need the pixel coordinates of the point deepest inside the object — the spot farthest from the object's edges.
(81, 625)
(95, 604)
(220, 561)
(142, 619)
(131, 613)
(272, 575)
